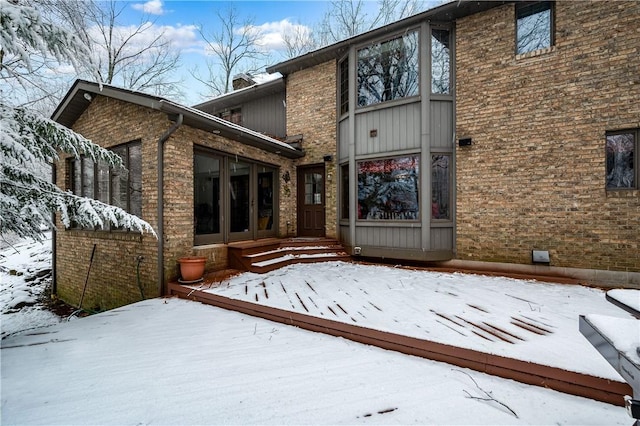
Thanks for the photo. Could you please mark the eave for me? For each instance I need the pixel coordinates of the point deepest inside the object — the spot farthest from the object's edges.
(80, 95)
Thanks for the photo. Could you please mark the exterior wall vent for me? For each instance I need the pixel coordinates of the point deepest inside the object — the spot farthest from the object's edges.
(540, 256)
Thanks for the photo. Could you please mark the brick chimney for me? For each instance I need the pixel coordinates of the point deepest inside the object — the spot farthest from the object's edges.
(240, 81)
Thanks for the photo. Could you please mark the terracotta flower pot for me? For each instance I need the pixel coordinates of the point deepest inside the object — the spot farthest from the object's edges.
(192, 268)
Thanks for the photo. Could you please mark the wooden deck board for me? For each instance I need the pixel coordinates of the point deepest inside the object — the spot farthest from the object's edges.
(584, 385)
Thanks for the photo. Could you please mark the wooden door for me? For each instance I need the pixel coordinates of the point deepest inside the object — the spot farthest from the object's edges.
(311, 201)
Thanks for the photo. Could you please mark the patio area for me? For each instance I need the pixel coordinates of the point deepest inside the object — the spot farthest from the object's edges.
(520, 329)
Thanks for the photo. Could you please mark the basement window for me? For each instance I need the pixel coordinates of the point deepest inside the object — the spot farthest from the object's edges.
(534, 26)
(622, 159)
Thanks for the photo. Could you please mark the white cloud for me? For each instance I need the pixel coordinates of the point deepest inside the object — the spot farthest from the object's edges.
(181, 37)
(153, 7)
(273, 33)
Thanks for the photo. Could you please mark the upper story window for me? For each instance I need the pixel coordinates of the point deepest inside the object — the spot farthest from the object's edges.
(388, 70)
(344, 86)
(622, 159)
(120, 188)
(233, 115)
(534, 26)
(440, 62)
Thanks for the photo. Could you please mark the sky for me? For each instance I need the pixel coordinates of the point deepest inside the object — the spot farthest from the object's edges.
(180, 21)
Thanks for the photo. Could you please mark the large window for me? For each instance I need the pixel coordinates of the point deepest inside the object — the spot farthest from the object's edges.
(534, 26)
(388, 189)
(440, 61)
(441, 186)
(388, 70)
(622, 159)
(121, 188)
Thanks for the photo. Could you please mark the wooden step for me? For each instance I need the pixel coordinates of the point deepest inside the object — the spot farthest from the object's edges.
(262, 256)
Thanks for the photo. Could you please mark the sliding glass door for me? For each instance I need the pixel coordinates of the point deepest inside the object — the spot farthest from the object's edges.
(234, 200)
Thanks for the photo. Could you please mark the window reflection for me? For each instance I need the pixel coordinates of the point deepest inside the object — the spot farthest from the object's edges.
(440, 187)
(388, 189)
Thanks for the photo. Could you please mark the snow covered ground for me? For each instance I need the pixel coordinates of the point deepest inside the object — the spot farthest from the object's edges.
(25, 271)
(535, 321)
(179, 362)
(170, 361)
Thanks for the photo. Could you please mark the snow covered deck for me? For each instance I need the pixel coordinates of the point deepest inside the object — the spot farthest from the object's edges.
(523, 330)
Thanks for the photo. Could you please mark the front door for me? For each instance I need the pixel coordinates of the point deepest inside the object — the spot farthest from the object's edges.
(311, 201)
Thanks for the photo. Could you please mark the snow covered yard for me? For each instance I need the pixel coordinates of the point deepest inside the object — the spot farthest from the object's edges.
(25, 272)
(171, 361)
(525, 320)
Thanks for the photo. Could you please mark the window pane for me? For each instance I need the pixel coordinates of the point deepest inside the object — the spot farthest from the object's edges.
(87, 177)
(533, 27)
(388, 71)
(76, 178)
(135, 179)
(388, 189)
(344, 176)
(313, 188)
(344, 86)
(440, 61)
(206, 194)
(265, 200)
(119, 180)
(103, 183)
(440, 187)
(239, 196)
(620, 159)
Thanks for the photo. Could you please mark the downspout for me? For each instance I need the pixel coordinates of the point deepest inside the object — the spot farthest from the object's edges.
(165, 136)
(54, 281)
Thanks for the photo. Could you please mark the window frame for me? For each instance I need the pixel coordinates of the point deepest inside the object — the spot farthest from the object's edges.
(523, 6)
(96, 191)
(431, 62)
(344, 191)
(418, 214)
(379, 41)
(450, 188)
(636, 160)
(343, 86)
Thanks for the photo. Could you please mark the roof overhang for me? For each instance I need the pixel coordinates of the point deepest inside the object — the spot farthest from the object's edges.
(448, 12)
(80, 95)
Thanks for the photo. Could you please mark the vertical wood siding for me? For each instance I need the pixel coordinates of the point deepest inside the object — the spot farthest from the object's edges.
(441, 125)
(398, 129)
(389, 236)
(266, 115)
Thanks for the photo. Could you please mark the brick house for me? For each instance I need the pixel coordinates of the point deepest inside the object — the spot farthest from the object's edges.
(475, 134)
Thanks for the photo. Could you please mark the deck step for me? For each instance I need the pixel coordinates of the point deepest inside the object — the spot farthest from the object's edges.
(262, 256)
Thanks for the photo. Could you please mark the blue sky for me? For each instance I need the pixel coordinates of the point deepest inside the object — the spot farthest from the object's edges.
(180, 20)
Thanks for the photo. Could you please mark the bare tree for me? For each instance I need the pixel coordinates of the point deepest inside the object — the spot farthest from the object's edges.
(347, 18)
(236, 44)
(138, 57)
(298, 41)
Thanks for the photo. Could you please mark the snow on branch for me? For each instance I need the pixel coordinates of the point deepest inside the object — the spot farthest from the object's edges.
(28, 201)
(23, 30)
